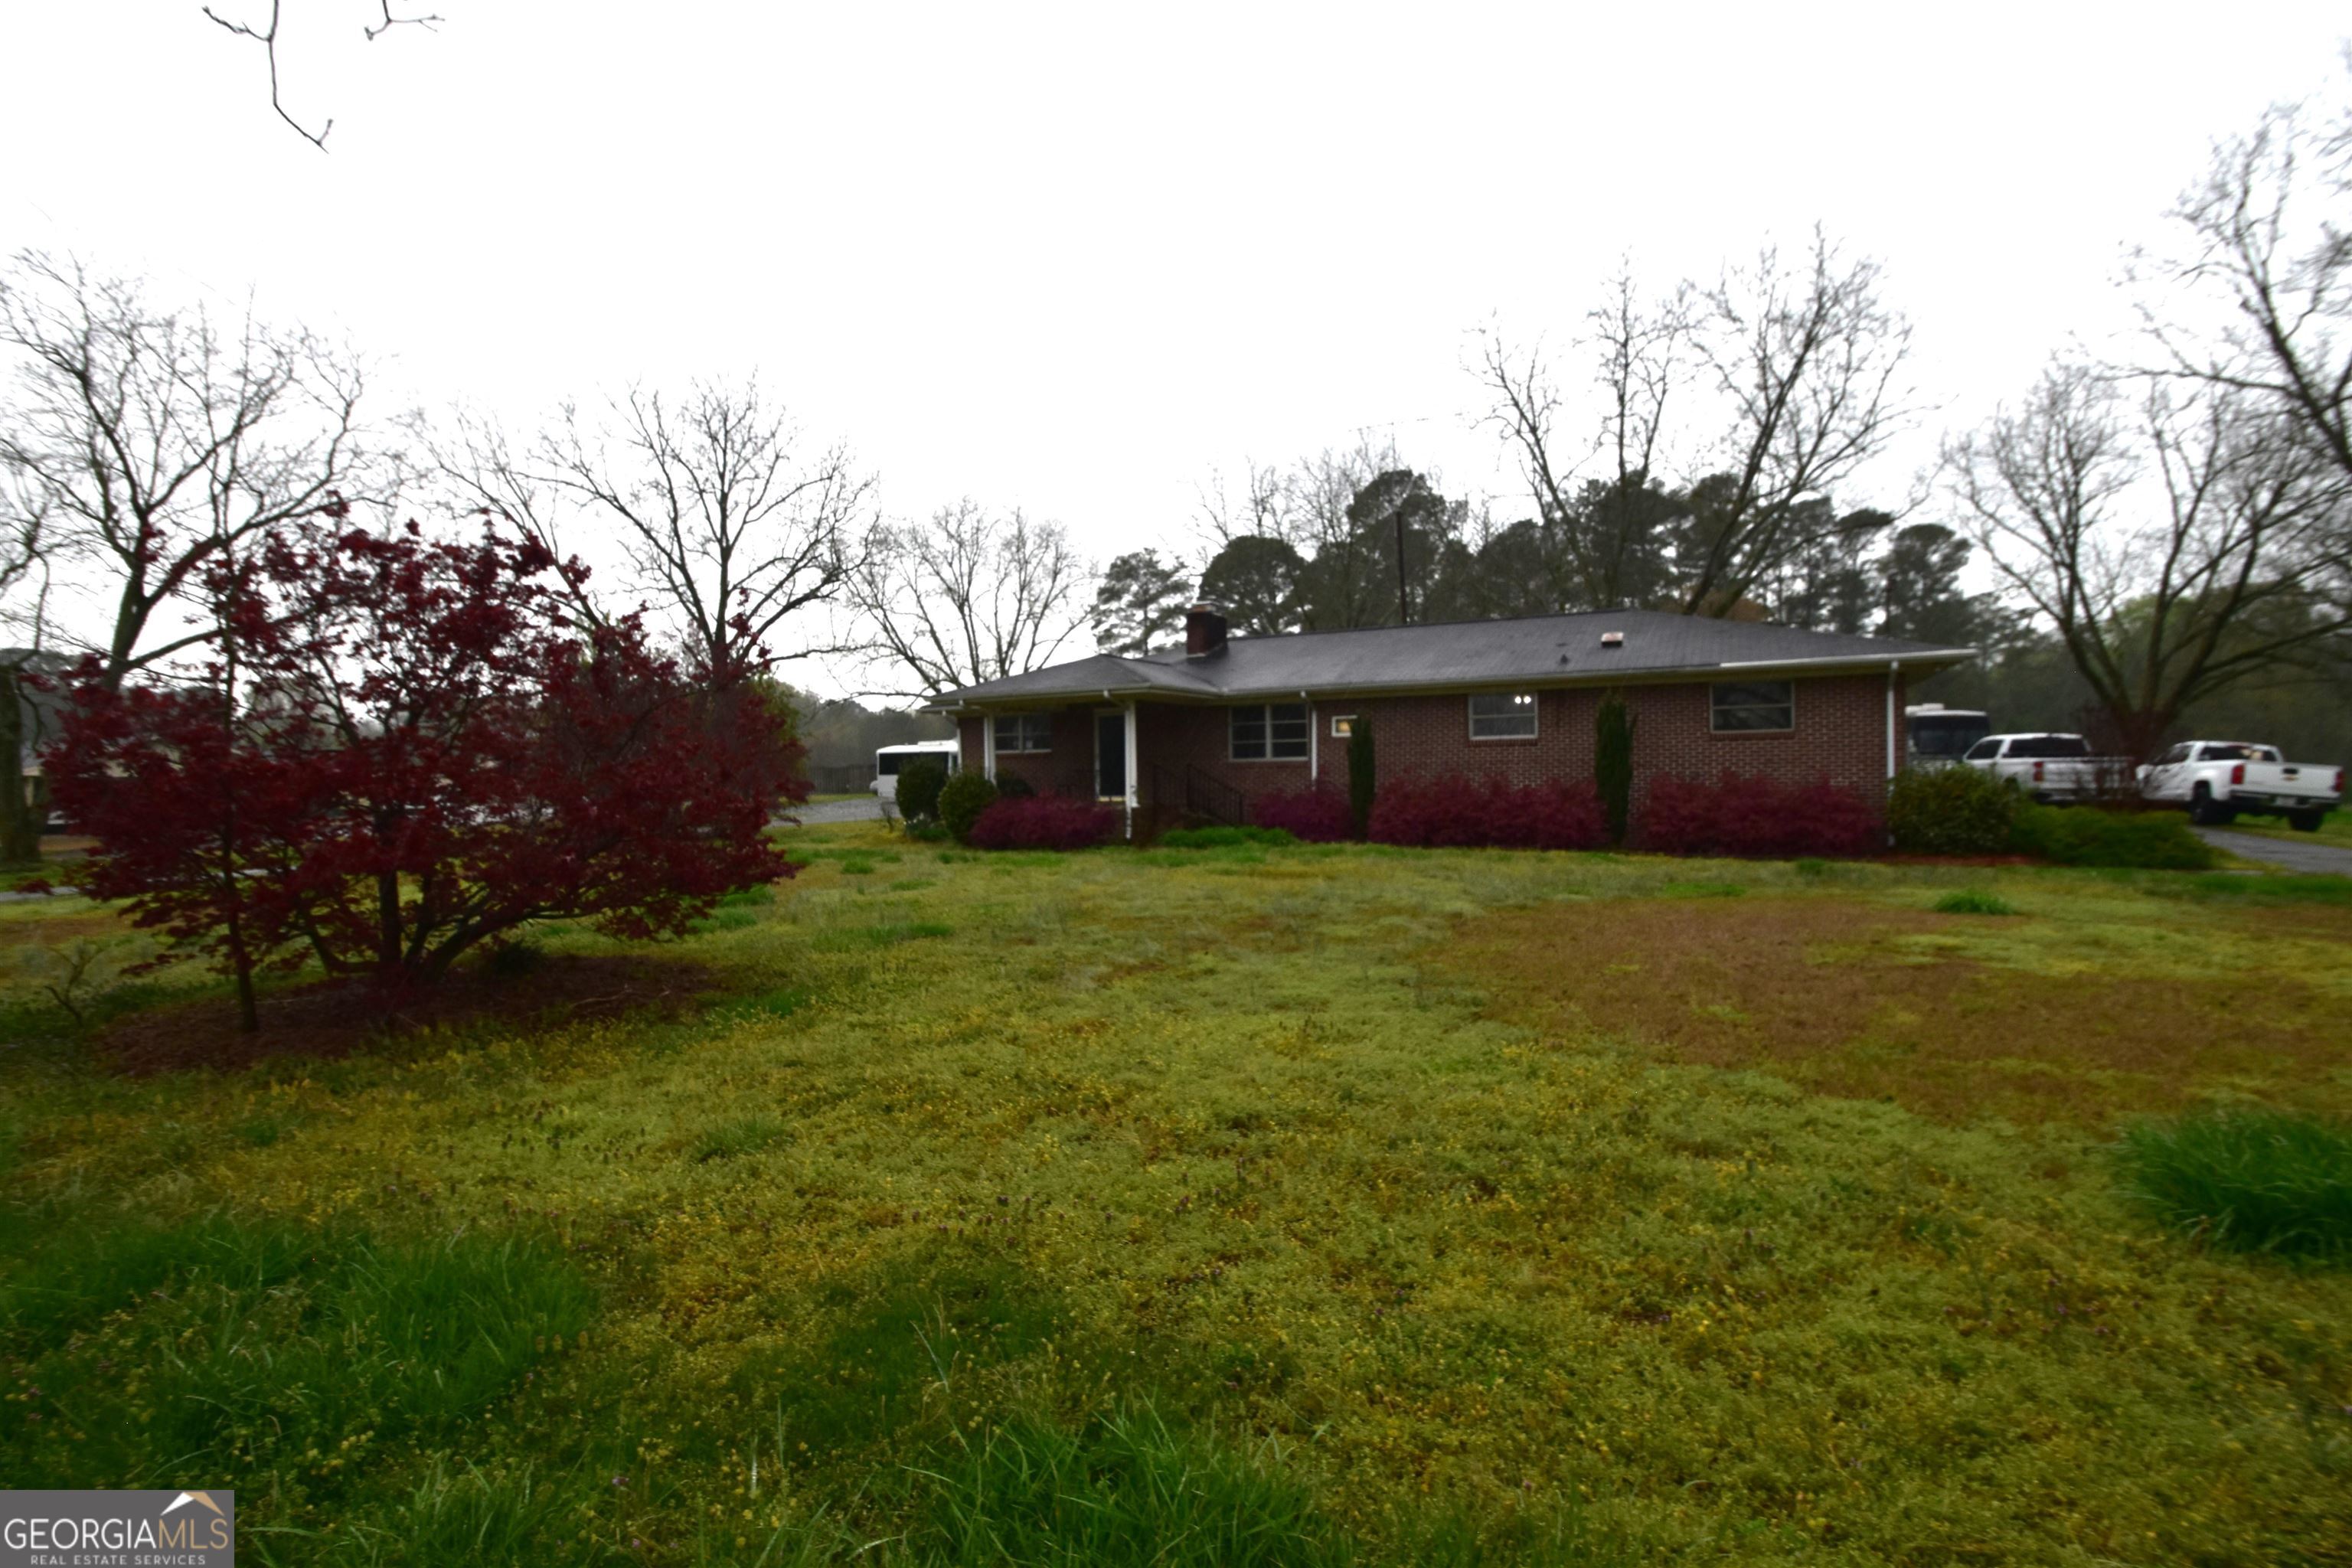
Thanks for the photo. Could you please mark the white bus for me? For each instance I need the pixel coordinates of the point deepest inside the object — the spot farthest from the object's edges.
(1938, 735)
(889, 760)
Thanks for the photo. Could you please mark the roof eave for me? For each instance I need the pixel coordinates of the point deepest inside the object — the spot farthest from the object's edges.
(1825, 664)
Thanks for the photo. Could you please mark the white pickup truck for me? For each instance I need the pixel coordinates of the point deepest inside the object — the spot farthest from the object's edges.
(2216, 780)
(2049, 767)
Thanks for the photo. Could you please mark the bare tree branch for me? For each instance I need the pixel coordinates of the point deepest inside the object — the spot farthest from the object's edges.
(473, 460)
(724, 521)
(157, 441)
(2176, 545)
(266, 37)
(964, 598)
(1807, 358)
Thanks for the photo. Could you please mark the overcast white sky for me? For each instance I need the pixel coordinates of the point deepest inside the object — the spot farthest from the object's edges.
(1074, 258)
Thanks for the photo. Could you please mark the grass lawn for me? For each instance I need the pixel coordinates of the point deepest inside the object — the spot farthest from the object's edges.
(1299, 1206)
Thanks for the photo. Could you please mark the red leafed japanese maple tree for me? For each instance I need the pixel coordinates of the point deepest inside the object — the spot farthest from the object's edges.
(405, 747)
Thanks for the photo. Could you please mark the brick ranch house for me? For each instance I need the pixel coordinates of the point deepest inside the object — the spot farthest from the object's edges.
(1205, 728)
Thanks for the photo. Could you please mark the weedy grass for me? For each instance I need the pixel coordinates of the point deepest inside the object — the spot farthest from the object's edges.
(2274, 888)
(1331, 1203)
(1974, 901)
(261, 1347)
(2253, 1181)
(1225, 838)
(744, 1135)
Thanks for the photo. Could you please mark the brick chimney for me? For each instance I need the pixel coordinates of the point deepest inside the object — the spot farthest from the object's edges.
(1204, 630)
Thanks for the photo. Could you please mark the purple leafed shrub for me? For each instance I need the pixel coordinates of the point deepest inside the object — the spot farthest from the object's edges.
(1458, 811)
(1755, 816)
(1043, 822)
(1313, 816)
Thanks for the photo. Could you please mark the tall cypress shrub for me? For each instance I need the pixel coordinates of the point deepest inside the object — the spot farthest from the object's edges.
(1612, 761)
(1359, 776)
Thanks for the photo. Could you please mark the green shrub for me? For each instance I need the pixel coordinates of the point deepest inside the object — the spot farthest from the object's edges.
(1974, 901)
(2255, 1180)
(1223, 837)
(2083, 836)
(1612, 761)
(1950, 811)
(961, 800)
(919, 784)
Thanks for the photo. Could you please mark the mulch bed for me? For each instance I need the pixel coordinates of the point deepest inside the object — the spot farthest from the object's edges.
(338, 1018)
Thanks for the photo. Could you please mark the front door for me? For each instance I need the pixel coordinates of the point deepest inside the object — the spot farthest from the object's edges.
(1110, 756)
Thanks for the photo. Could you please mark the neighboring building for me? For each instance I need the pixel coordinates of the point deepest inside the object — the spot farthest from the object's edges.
(1204, 729)
(37, 715)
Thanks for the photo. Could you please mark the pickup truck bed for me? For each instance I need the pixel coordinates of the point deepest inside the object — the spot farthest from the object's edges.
(2220, 780)
(2050, 767)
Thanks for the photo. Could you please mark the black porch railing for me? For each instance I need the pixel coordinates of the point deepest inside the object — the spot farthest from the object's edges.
(1194, 793)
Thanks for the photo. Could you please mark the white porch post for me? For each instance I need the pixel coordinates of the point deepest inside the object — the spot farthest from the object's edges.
(1131, 791)
(988, 747)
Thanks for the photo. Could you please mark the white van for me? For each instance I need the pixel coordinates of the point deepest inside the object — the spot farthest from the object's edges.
(889, 760)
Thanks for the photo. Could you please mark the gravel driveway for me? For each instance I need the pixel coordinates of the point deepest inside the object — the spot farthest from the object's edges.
(865, 808)
(2295, 853)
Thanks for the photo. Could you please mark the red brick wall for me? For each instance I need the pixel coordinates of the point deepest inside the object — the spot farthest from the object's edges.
(1169, 736)
(1067, 769)
(1840, 737)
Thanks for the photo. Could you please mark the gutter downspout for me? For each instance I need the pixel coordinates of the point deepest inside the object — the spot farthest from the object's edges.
(1134, 730)
(1314, 743)
(988, 747)
(1893, 670)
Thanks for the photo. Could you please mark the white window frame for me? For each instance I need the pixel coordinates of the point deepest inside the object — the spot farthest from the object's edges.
(1343, 726)
(1027, 727)
(1265, 712)
(1716, 706)
(1523, 704)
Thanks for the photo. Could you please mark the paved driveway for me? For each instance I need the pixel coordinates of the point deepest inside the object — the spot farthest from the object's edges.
(864, 808)
(2295, 853)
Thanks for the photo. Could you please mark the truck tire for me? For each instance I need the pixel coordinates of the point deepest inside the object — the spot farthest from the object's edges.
(2305, 821)
(2201, 809)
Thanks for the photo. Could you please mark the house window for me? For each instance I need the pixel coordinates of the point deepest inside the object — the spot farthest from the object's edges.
(1509, 716)
(1342, 726)
(1025, 732)
(1272, 731)
(1750, 705)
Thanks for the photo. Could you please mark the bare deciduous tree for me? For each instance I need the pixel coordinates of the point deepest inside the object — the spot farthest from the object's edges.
(721, 517)
(471, 458)
(1807, 358)
(2269, 247)
(1591, 542)
(1305, 507)
(1802, 360)
(23, 563)
(2177, 544)
(156, 441)
(966, 597)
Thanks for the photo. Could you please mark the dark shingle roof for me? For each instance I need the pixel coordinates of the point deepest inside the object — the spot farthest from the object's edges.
(1536, 650)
